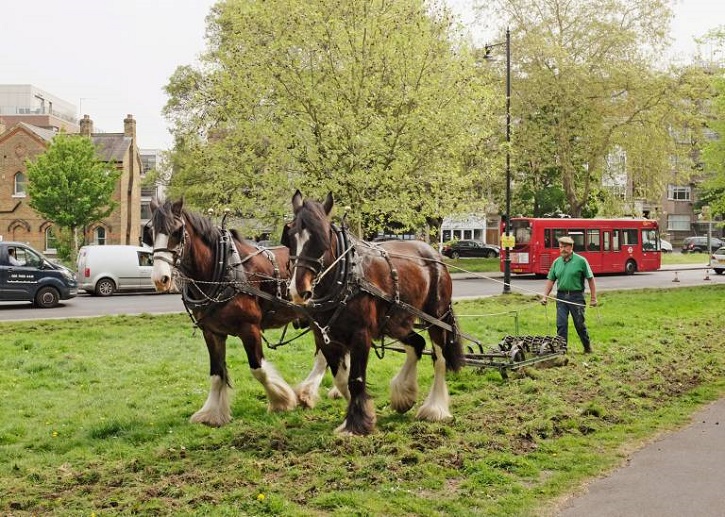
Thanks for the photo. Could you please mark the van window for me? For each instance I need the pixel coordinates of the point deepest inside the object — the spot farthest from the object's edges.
(145, 259)
(27, 257)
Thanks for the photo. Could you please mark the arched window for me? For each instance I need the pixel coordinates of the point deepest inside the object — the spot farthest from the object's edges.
(99, 235)
(51, 241)
(19, 186)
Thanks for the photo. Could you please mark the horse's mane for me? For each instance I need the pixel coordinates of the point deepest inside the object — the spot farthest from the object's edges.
(163, 220)
(206, 229)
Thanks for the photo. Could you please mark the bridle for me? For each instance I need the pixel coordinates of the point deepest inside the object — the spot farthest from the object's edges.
(320, 269)
(177, 252)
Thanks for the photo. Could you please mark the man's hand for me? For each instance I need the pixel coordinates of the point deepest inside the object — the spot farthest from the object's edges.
(593, 302)
(544, 299)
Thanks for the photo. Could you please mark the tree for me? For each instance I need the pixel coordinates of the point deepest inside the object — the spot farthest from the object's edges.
(713, 155)
(586, 85)
(376, 101)
(69, 185)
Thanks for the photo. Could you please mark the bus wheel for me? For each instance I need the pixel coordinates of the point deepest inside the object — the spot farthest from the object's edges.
(630, 267)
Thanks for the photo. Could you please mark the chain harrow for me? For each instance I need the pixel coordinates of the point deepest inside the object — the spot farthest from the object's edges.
(514, 352)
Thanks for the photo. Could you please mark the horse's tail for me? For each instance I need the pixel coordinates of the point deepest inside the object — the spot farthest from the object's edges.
(453, 348)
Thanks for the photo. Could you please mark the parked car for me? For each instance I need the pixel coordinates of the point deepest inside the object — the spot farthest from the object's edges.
(717, 261)
(30, 277)
(665, 246)
(106, 269)
(699, 245)
(470, 248)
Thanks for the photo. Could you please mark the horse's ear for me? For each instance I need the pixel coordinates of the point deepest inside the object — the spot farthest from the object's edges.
(328, 203)
(178, 206)
(297, 201)
(285, 235)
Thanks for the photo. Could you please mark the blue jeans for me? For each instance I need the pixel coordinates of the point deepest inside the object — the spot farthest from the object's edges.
(571, 302)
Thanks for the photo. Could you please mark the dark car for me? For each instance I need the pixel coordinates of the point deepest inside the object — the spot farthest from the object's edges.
(699, 245)
(27, 276)
(458, 249)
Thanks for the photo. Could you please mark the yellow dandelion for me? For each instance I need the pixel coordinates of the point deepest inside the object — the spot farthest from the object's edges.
(260, 497)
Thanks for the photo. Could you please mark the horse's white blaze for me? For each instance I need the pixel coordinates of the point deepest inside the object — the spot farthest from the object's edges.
(281, 396)
(300, 241)
(216, 410)
(435, 407)
(161, 273)
(404, 386)
(308, 390)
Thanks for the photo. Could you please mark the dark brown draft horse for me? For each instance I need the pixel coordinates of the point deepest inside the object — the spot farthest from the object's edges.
(229, 287)
(357, 292)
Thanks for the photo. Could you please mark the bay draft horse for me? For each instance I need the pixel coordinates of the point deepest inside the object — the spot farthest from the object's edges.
(387, 283)
(227, 296)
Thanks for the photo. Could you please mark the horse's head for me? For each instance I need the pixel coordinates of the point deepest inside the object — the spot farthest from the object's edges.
(308, 238)
(166, 235)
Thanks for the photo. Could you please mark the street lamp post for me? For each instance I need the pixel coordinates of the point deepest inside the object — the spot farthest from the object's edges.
(506, 248)
(506, 237)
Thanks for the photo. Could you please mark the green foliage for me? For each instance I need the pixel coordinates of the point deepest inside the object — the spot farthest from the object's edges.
(108, 432)
(376, 101)
(69, 185)
(714, 153)
(587, 88)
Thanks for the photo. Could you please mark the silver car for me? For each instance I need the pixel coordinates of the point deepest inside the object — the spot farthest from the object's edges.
(717, 260)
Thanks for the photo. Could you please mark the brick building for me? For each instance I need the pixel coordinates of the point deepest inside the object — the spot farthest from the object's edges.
(23, 141)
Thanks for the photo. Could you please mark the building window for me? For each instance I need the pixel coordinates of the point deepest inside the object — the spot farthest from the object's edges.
(678, 193)
(678, 223)
(145, 211)
(99, 235)
(51, 242)
(19, 188)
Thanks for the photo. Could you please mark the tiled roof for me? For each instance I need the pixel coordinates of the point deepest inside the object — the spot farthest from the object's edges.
(112, 147)
(45, 134)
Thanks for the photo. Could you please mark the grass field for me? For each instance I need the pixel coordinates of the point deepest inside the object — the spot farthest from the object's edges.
(95, 417)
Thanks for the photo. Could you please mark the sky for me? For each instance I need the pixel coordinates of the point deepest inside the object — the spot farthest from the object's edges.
(113, 57)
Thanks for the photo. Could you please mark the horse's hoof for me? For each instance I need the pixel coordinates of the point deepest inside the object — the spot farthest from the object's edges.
(334, 393)
(401, 406)
(306, 396)
(282, 407)
(343, 430)
(211, 420)
(433, 413)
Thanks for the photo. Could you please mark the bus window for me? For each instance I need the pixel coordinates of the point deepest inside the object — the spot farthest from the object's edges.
(593, 243)
(578, 236)
(649, 240)
(606, 240)
(629, 237)
(558, 232)
(551, 237)
(523, 235)
(616, 244)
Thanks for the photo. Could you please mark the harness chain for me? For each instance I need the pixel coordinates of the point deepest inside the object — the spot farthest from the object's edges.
(353, 284)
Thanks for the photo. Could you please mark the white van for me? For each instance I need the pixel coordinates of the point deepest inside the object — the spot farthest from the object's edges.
(106, 269)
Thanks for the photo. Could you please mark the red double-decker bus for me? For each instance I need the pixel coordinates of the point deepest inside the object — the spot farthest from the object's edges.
(610, 245)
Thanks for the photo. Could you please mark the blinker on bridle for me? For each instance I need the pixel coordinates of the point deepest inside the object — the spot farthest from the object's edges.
(176, 252)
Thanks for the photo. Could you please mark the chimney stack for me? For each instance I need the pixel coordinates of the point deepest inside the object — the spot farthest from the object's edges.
(129, 126)
(86, 126)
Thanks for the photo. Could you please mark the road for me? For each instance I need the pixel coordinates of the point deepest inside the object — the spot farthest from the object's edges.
(475, 285)
(465, 285)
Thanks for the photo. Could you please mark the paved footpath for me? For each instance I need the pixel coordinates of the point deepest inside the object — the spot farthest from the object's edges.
(681, 474)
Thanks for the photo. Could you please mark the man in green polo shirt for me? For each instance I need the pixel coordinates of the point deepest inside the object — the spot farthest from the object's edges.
(569, 272)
